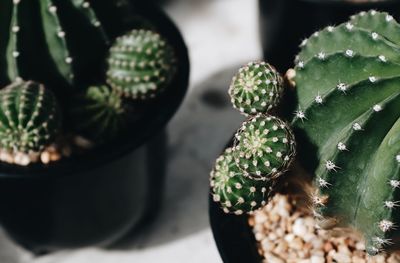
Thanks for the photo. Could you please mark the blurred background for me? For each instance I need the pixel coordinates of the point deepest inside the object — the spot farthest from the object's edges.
(221, 36)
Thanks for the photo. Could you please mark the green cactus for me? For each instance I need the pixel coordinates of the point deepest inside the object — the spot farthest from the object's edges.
(235, 192)
(264, 147)
(257, 87)
(98, 114)
(141, 63)
(29, 117)
(347, 83)
(65, 36)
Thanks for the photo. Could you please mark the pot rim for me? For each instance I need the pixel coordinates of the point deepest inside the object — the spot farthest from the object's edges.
(167, 104)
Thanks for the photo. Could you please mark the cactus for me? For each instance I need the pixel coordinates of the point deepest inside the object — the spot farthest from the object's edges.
(347, 83)
(29, 117)
(264, 147)
(65, 36)
(257, 87)
(98, 114)
(141, 63)
(235, 192)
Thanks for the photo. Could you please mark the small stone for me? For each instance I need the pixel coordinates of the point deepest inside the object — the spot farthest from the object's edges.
(22, 159)
(317, 259)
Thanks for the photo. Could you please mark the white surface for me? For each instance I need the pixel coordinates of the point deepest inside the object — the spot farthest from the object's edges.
(221, 35)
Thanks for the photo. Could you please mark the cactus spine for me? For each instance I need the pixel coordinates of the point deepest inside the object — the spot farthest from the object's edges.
(141, 63)
(29, 118)
(244, 176)
(347, 83)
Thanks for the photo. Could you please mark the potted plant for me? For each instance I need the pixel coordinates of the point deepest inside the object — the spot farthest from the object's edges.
(339, 202)
(88, 87)
(299, 18)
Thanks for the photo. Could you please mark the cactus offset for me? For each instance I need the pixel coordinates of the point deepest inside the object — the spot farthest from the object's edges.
(347, 83)
(257, 87)
(98, 114)
(264, 147)
(141, 63)
(29, 118)
(235, 192)
(68, 49)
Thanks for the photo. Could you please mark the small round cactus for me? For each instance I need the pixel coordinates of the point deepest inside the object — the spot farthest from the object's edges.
(29, 117)
(98, 114)
(264, 147)
(141, 63)
(256, 88)
(236, 193)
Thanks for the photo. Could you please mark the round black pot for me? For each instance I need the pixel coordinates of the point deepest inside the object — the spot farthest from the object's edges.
(285, 23)
(233, 235)
(97, 197)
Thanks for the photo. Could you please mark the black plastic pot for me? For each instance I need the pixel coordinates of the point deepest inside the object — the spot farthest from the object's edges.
(96, 198)
(285, 23)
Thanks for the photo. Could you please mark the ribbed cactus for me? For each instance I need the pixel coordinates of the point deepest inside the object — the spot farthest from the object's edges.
(264, 147)
(98, 114)
(235, 192)
(29, 118)
(141, 63)
(348, 88)
(64, 37)
(257, 87)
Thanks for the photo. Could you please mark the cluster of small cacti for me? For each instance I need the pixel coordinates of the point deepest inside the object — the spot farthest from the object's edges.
(244, 175)
(348, 88)
(72, 54)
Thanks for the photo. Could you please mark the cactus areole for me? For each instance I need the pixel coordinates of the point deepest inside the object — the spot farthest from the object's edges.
(348, 88)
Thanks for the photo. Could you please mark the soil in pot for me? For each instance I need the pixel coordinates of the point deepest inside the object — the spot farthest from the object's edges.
(286, 231)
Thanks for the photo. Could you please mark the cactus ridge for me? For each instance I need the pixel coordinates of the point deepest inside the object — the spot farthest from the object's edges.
(257, 87)
(381, 22)
(64, 60)
(236, 193)
(352, 117)
(264, 147)
(141, 63)
(99, 113)
(29, 117)
(349, 39)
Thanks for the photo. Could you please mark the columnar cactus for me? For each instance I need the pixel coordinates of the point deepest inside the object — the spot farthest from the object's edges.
(347, 82)
(65, 36)
(29, 118)
(141, 63)
(98, 113)
(257, 87)
(264, 147)
(237, 193)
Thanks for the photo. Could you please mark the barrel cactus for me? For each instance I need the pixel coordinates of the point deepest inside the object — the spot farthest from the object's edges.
(69, 50)
(347, 83)
(264, 147)
(140, 64)
(29, 118)
(236, 192)
(98, 113)
(257, 87)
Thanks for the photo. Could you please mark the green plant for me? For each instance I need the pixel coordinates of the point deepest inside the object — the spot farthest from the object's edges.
(64, 46)
(257, 87)
(347, 84)
(140, 64)
(99, 113)
(244, 176)
(264, 147)
(30, 118)
(236, 192)
(50, 31)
